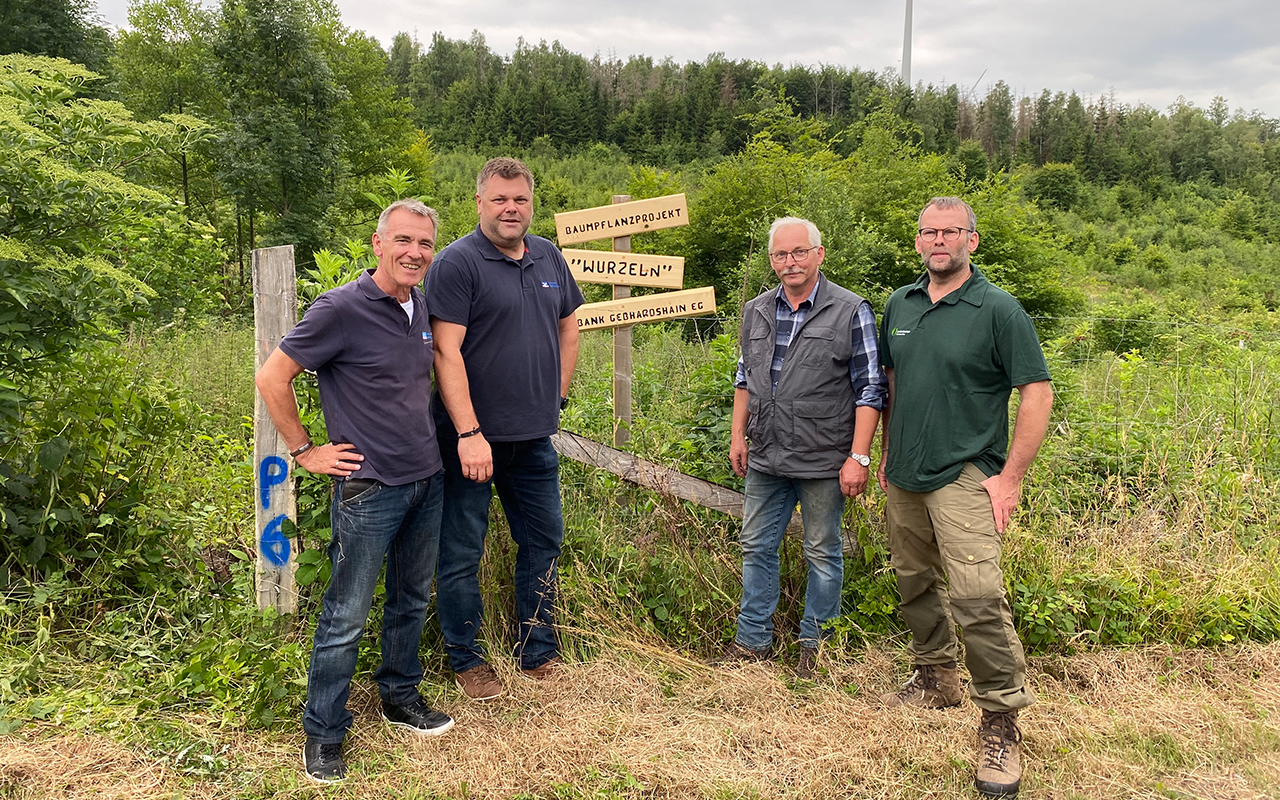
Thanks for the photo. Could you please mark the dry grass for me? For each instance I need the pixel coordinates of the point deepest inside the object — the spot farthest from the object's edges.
(646, 723)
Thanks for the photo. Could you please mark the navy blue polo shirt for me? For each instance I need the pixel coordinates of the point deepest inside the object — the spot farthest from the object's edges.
(512, 311)
(374, 368)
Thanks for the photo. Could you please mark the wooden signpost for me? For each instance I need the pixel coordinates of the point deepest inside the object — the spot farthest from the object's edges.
(624, 269)
(650, 308)
(275, 312)
(628, 269)
(623, 218)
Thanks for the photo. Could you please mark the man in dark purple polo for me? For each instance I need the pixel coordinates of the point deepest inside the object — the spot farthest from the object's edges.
(502, 311)
(371, 349)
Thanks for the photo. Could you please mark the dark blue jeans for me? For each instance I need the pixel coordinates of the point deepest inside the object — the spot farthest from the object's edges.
(527, 477)
(400, 524)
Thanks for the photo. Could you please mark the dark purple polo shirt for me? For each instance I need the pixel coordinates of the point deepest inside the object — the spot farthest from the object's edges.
(374, 368)
(512, 312)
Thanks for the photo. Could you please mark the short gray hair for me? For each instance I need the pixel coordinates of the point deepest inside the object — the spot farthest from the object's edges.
(815, 235)
(503, 167)
(413, 206)
(945, 203)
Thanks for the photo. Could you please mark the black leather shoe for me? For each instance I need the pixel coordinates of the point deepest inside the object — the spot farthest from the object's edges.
(417, 717)
(323, 762)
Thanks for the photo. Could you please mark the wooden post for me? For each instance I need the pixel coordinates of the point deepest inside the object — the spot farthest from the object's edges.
(275, 312)
(621, 353)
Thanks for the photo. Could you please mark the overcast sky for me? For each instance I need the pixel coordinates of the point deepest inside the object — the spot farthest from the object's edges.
(1142, 50)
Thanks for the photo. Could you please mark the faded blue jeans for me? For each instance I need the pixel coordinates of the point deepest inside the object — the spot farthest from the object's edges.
(398, 524)
(770, 500)
(526, 475)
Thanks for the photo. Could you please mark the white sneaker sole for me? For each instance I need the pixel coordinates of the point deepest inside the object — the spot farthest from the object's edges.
(440, 731)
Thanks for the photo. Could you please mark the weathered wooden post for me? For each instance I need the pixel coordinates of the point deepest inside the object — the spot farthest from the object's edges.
(275, 312)
(621, 352)
(623, 269)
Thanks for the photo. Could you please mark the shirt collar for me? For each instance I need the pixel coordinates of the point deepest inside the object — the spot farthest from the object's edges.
(370, 287)
(781, 296)
(372, 291)
(973, 291)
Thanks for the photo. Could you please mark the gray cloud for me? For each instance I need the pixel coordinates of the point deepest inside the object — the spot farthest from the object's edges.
(1145, 51)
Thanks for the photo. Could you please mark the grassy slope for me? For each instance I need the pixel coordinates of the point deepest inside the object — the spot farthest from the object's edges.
(644, 722)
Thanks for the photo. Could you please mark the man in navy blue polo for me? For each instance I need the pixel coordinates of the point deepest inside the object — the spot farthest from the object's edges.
(370, 346)
(502, 312)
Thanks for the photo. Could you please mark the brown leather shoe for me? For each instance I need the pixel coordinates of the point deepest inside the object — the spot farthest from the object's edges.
(807, 666)
(479, 683)
(999, 772)
(735, 655)
(551, 668)
(930, 686)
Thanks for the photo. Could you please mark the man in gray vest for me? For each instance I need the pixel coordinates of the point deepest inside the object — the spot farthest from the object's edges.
(806, 403)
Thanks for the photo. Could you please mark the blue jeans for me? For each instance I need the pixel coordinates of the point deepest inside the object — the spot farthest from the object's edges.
(400, 524)
(527, 477)
(770, 500)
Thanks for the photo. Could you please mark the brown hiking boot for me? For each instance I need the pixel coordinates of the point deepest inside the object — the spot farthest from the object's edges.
(807, 666)
(735, 655)
(999, 754)
(549, 669)
(479, 683)
(930, 686)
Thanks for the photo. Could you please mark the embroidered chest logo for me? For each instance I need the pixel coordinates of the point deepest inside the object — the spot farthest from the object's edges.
(899, 332)
(550, 285)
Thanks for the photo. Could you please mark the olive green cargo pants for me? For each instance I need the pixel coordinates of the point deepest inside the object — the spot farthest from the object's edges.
(946, 554)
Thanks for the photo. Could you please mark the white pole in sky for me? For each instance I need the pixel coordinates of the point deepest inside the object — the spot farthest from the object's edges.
(906, 48)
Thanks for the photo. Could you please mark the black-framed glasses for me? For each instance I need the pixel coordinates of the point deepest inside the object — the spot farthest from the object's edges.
(799, 254)
(948, 234)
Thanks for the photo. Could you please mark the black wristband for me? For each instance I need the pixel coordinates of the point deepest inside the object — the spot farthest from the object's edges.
(474, 432)
(295, 453)
(564, 403)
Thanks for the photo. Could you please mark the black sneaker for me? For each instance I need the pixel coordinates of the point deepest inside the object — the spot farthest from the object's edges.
(417, 717)
(323, 762)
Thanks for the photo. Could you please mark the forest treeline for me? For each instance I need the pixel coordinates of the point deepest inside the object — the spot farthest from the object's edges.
(669, 113)
(290, 119)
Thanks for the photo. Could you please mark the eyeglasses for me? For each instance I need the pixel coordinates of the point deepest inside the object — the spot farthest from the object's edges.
(948, 234)
(799, 254)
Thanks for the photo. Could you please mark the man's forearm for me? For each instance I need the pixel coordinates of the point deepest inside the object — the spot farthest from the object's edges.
(884, 415)
(865, 419)
(738, 422)
(1029, 427)
(275, 383)
(455, 391)
(568, 334)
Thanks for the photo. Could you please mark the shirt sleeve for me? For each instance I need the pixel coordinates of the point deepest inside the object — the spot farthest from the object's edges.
(886, 360)
(1018, 347)
(318, 337)
(571, 295)
(450, 287)
(870, 386)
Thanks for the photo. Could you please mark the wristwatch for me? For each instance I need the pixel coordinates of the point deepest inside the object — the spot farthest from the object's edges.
(861, 459)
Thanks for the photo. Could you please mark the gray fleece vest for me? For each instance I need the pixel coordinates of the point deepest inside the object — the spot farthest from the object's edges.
(805, 429)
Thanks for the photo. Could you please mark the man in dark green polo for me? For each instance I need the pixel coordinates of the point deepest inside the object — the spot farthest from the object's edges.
(954, 347)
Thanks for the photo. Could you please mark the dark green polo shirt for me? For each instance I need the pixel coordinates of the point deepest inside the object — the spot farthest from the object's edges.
(954, 364)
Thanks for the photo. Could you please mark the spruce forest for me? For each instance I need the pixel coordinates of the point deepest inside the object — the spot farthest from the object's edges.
(140, 168)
